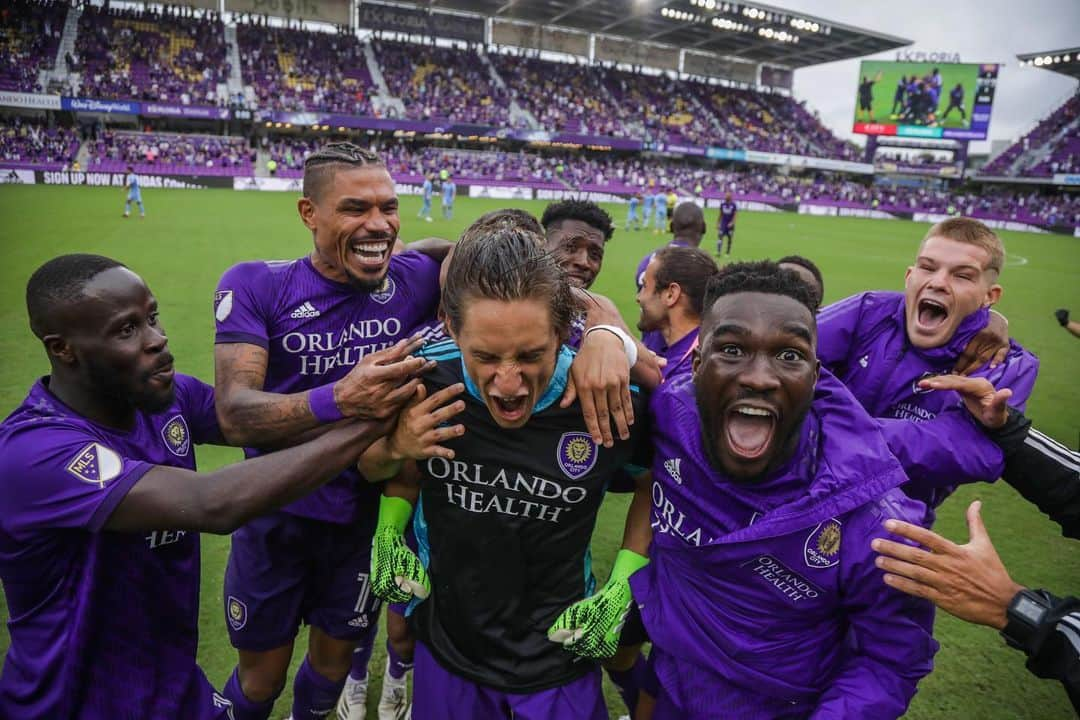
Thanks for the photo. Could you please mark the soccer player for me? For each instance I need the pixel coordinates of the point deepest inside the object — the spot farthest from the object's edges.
(769, 483)
(647, 205)
(726, 226)
(671, 300)
(1062, 316)
(898, 96)
(449, 191)
(956, 102)
(866, 97)
(672, 200)
(881, 344)
(633, 222)
(287, 335)
(688, 228)
(575, 232)
(809, 272)
(101, 506)
(660, 212)
(134, 194)
(508, 499)
(427, 190)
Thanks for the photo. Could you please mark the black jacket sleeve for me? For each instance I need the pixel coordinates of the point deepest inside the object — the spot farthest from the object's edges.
(1043, 470)
(1054, 651)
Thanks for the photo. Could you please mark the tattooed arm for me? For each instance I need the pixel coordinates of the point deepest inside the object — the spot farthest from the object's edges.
(375, 388)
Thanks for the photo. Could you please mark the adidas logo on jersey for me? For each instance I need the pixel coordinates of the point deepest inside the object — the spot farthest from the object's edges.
(672, 466)
(307, 310)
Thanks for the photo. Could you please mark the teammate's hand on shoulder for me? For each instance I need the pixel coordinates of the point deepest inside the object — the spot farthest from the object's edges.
(422, 425)
(591, 627)
(991, 344)
(600, 380)
(378, 385)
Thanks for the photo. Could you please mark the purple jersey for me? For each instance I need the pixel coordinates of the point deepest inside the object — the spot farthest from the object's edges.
(653, 340)
(764, 597)
(315, 331)
(863, 341)
(103, 624)
(679, 354)
(727, 215)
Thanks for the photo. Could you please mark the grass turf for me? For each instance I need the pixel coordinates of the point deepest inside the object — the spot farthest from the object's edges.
(885, 89)
(190, 237)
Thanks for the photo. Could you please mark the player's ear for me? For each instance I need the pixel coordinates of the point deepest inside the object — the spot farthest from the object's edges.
(58, 349)
(993, 295)
(695, 361)
(306, 208)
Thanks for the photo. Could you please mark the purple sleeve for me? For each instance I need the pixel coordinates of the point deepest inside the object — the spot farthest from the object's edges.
(241, 314)
(197, 400)
(837, 327)
(949, 450)
(1017, 373)
(420, 273)
(890, 644)
(63, 478)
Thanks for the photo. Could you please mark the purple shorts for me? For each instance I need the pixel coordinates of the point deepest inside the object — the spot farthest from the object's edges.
(284, 569)
(438, 694)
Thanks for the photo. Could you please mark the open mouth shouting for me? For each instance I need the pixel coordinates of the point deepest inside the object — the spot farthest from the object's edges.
(749, 430)
(509, 411)
(931, 314)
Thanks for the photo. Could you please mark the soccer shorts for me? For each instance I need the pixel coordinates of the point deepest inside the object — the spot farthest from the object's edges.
(284, 569)
(438, 694)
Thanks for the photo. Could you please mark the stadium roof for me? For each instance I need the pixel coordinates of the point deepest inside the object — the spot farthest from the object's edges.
(1066, 62)
(756, 32)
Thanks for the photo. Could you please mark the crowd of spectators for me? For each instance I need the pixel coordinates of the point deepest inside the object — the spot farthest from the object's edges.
(30, 33)
(439, 83)
(177, 153)
(293, 70)
(1065, 154)
(165, 55)
(23, 142)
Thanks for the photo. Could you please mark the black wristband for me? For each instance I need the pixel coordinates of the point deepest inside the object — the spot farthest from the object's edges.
(1024, 618)
(1010, 436)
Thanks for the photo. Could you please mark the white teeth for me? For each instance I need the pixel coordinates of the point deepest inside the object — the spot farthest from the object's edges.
(757, 412)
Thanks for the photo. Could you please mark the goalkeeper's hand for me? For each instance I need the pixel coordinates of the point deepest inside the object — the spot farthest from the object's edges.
(1062, 316)
(591, 627)
(397, 575)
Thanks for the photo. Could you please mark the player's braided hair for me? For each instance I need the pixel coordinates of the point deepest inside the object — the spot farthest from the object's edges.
(321, 165)
(505, 261)
(587, 212)
(59, 282)
(763, 276)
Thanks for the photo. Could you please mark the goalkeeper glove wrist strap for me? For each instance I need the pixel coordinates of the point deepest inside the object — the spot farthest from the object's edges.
(627, 562)
(394, 512)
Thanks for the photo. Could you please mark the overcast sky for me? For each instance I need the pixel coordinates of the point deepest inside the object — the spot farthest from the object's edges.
(980, 30)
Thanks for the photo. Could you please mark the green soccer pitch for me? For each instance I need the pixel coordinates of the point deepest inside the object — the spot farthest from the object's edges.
(190, 237)
(885, 89)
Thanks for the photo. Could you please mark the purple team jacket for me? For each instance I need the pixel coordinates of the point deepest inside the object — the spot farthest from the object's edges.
(764, 599)
(863, 341)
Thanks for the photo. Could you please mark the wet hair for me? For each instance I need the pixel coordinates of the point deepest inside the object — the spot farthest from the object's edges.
(971, 232)
(814, 270)
(508, 217)
(691, 268)
(321, 165)
(505, 262)
(58, 283)
(587, 212)
(762, 276)
(687, 218)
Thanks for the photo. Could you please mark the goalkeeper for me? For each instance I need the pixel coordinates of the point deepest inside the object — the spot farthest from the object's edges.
(505, 500)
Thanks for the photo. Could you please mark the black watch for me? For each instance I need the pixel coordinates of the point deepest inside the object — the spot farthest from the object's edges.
(1024, 616)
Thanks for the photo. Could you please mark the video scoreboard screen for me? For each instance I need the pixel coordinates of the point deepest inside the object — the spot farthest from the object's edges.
(950, 101)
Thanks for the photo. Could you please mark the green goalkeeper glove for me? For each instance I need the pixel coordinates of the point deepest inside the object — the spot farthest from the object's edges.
(591, 627)
(396, 573)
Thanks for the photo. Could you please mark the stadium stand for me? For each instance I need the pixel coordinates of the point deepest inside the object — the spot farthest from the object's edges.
(181, 154)
(30, 144)
(29, 37)
(1060, 129)
(151, 55)
(438, 83)
(296, 70)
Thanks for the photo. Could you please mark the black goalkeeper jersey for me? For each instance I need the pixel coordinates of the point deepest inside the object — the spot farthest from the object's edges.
(504, 530)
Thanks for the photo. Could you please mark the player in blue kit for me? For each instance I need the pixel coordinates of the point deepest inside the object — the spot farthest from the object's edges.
(633, 222)
(449, 191)
(427, 190)
(134, 194)
(660, 212)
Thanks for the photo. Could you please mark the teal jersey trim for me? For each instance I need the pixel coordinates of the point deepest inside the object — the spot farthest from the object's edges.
(423, 546)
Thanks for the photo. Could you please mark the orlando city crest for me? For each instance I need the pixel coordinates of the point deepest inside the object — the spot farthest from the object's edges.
(822, 546)
(236, 611)
(576, 454)
(385, 292)
(176, 436)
